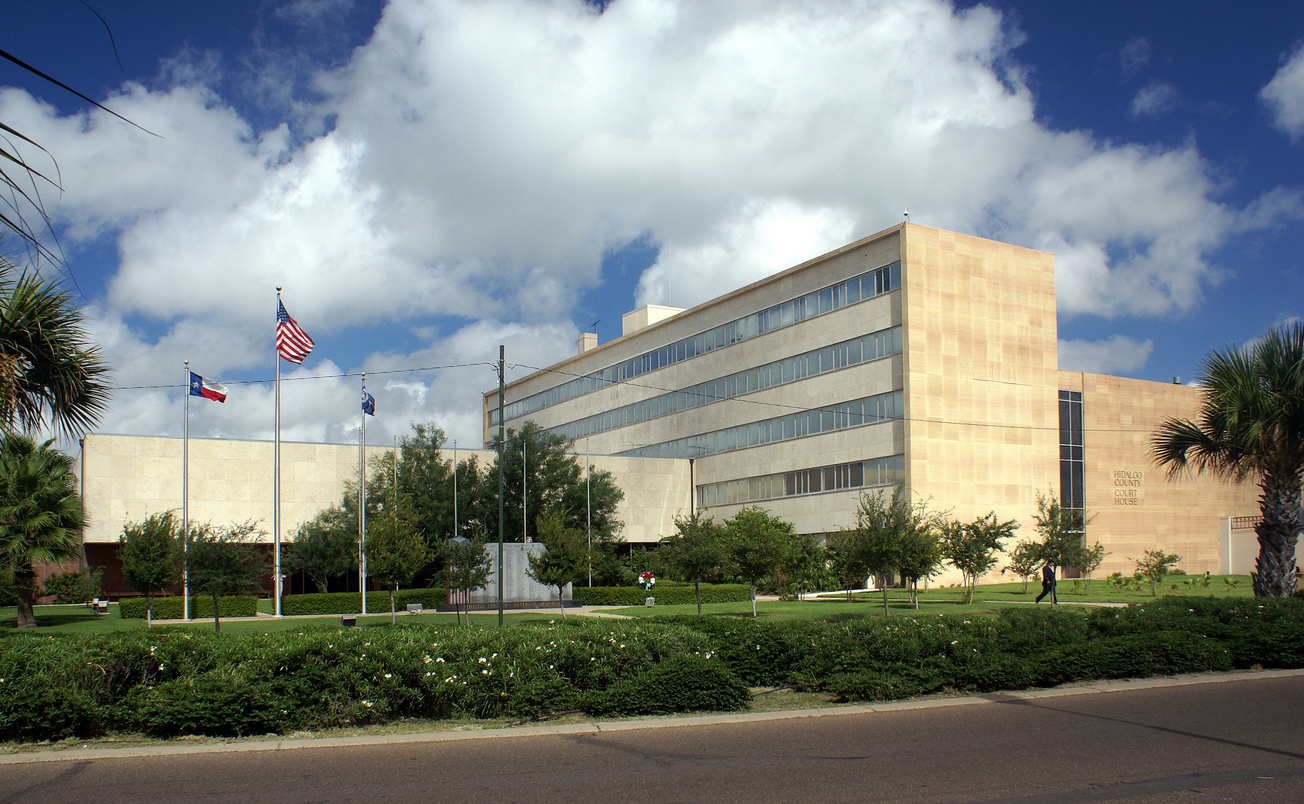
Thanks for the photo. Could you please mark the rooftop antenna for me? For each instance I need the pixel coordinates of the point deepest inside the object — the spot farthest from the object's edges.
(594, 326)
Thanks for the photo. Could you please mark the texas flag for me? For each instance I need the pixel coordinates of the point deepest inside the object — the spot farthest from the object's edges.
(206, 388)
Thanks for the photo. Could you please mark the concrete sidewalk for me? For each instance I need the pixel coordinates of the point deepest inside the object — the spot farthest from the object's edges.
(582, 611)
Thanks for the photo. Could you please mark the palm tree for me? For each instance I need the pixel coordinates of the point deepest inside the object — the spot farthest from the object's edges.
(48, 366)
(40, 515)
(1251, 425)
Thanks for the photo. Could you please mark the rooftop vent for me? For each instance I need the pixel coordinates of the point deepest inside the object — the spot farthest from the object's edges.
(645, 317)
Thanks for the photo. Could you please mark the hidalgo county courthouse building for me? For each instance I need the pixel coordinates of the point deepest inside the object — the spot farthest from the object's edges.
(915, 356)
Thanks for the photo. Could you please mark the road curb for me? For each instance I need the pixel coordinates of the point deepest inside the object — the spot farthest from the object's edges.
(88, 753)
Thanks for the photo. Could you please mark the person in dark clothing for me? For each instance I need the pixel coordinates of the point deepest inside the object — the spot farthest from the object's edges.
(1047, 582)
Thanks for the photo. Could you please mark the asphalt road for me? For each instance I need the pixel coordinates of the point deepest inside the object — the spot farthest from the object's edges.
(1232, 741)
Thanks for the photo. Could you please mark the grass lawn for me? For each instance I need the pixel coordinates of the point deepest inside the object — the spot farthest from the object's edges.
(951, 600)
(948, 600)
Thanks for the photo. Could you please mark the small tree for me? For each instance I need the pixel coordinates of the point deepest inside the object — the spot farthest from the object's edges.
(883, 526)
(807, 567)
(1092, 558)
(396, 552)
(566, 557)
(972, 547)
(1023, 562)
(921, 556)
(325, 546)
(698, 552)
(1061, 531)
(150, 552)
(1153, 566)
(759, 544)
(225, 561)
(466, 567)
(846, 559)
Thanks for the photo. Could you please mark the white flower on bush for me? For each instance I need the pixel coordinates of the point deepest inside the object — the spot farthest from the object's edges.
(387, 675)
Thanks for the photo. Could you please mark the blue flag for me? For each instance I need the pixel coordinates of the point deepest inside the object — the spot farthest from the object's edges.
(368, 403)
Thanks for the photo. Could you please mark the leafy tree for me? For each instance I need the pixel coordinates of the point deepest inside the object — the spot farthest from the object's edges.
(225, 561)
(759, 543)
(324, 547)
(40, 516)
(74, 587)
(565, 559)
(396, 552)
(555, 483)
(971, 547)
(466, 567)
(698, 552)
(1251, 425)
(1154, 566)
(49, 370)
(1023, 562)
(921, 555)
(151, 556)
(1092, 558)
(807, 567)
(1061, 531)
(878, 544)
(426, 482)
(847, 559)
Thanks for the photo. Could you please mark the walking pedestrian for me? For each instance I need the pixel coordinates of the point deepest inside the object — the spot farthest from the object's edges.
(1047, 583)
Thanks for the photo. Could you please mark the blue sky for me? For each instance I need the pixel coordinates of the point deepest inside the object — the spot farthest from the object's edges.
(430, 178)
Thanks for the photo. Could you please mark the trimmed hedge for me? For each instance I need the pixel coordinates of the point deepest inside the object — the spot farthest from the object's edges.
(666, 596)
(351, 602)
(171, 608)
(181, 681)
(177, 681)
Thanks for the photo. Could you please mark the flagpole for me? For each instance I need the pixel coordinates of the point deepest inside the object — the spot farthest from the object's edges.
(454, 487)
(276, 471)
(185, 501)
(525, 493)
(362, 503)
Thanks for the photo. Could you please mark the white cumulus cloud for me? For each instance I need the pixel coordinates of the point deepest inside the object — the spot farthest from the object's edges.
(1111, 356)
(1284, 95)
(485, 154)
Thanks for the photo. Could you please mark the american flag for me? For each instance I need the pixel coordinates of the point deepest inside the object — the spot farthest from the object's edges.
(292, 343)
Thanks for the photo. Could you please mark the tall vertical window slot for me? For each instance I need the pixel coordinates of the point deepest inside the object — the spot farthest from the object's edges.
(1070, 427)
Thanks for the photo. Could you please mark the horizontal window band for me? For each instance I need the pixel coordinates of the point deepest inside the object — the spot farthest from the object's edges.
(874, 346)
(839, 477)
(857, 412)
(793, 311)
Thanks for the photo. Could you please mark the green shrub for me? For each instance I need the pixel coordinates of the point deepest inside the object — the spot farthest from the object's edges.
(666, 595)
(684, 683)
(351, 602)
(171, 608)
(170, 681)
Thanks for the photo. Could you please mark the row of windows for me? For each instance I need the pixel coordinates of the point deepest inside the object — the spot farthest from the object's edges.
(840, 355)
(795, 425)
(1072, 481)
(825, 300)
(859, 474)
